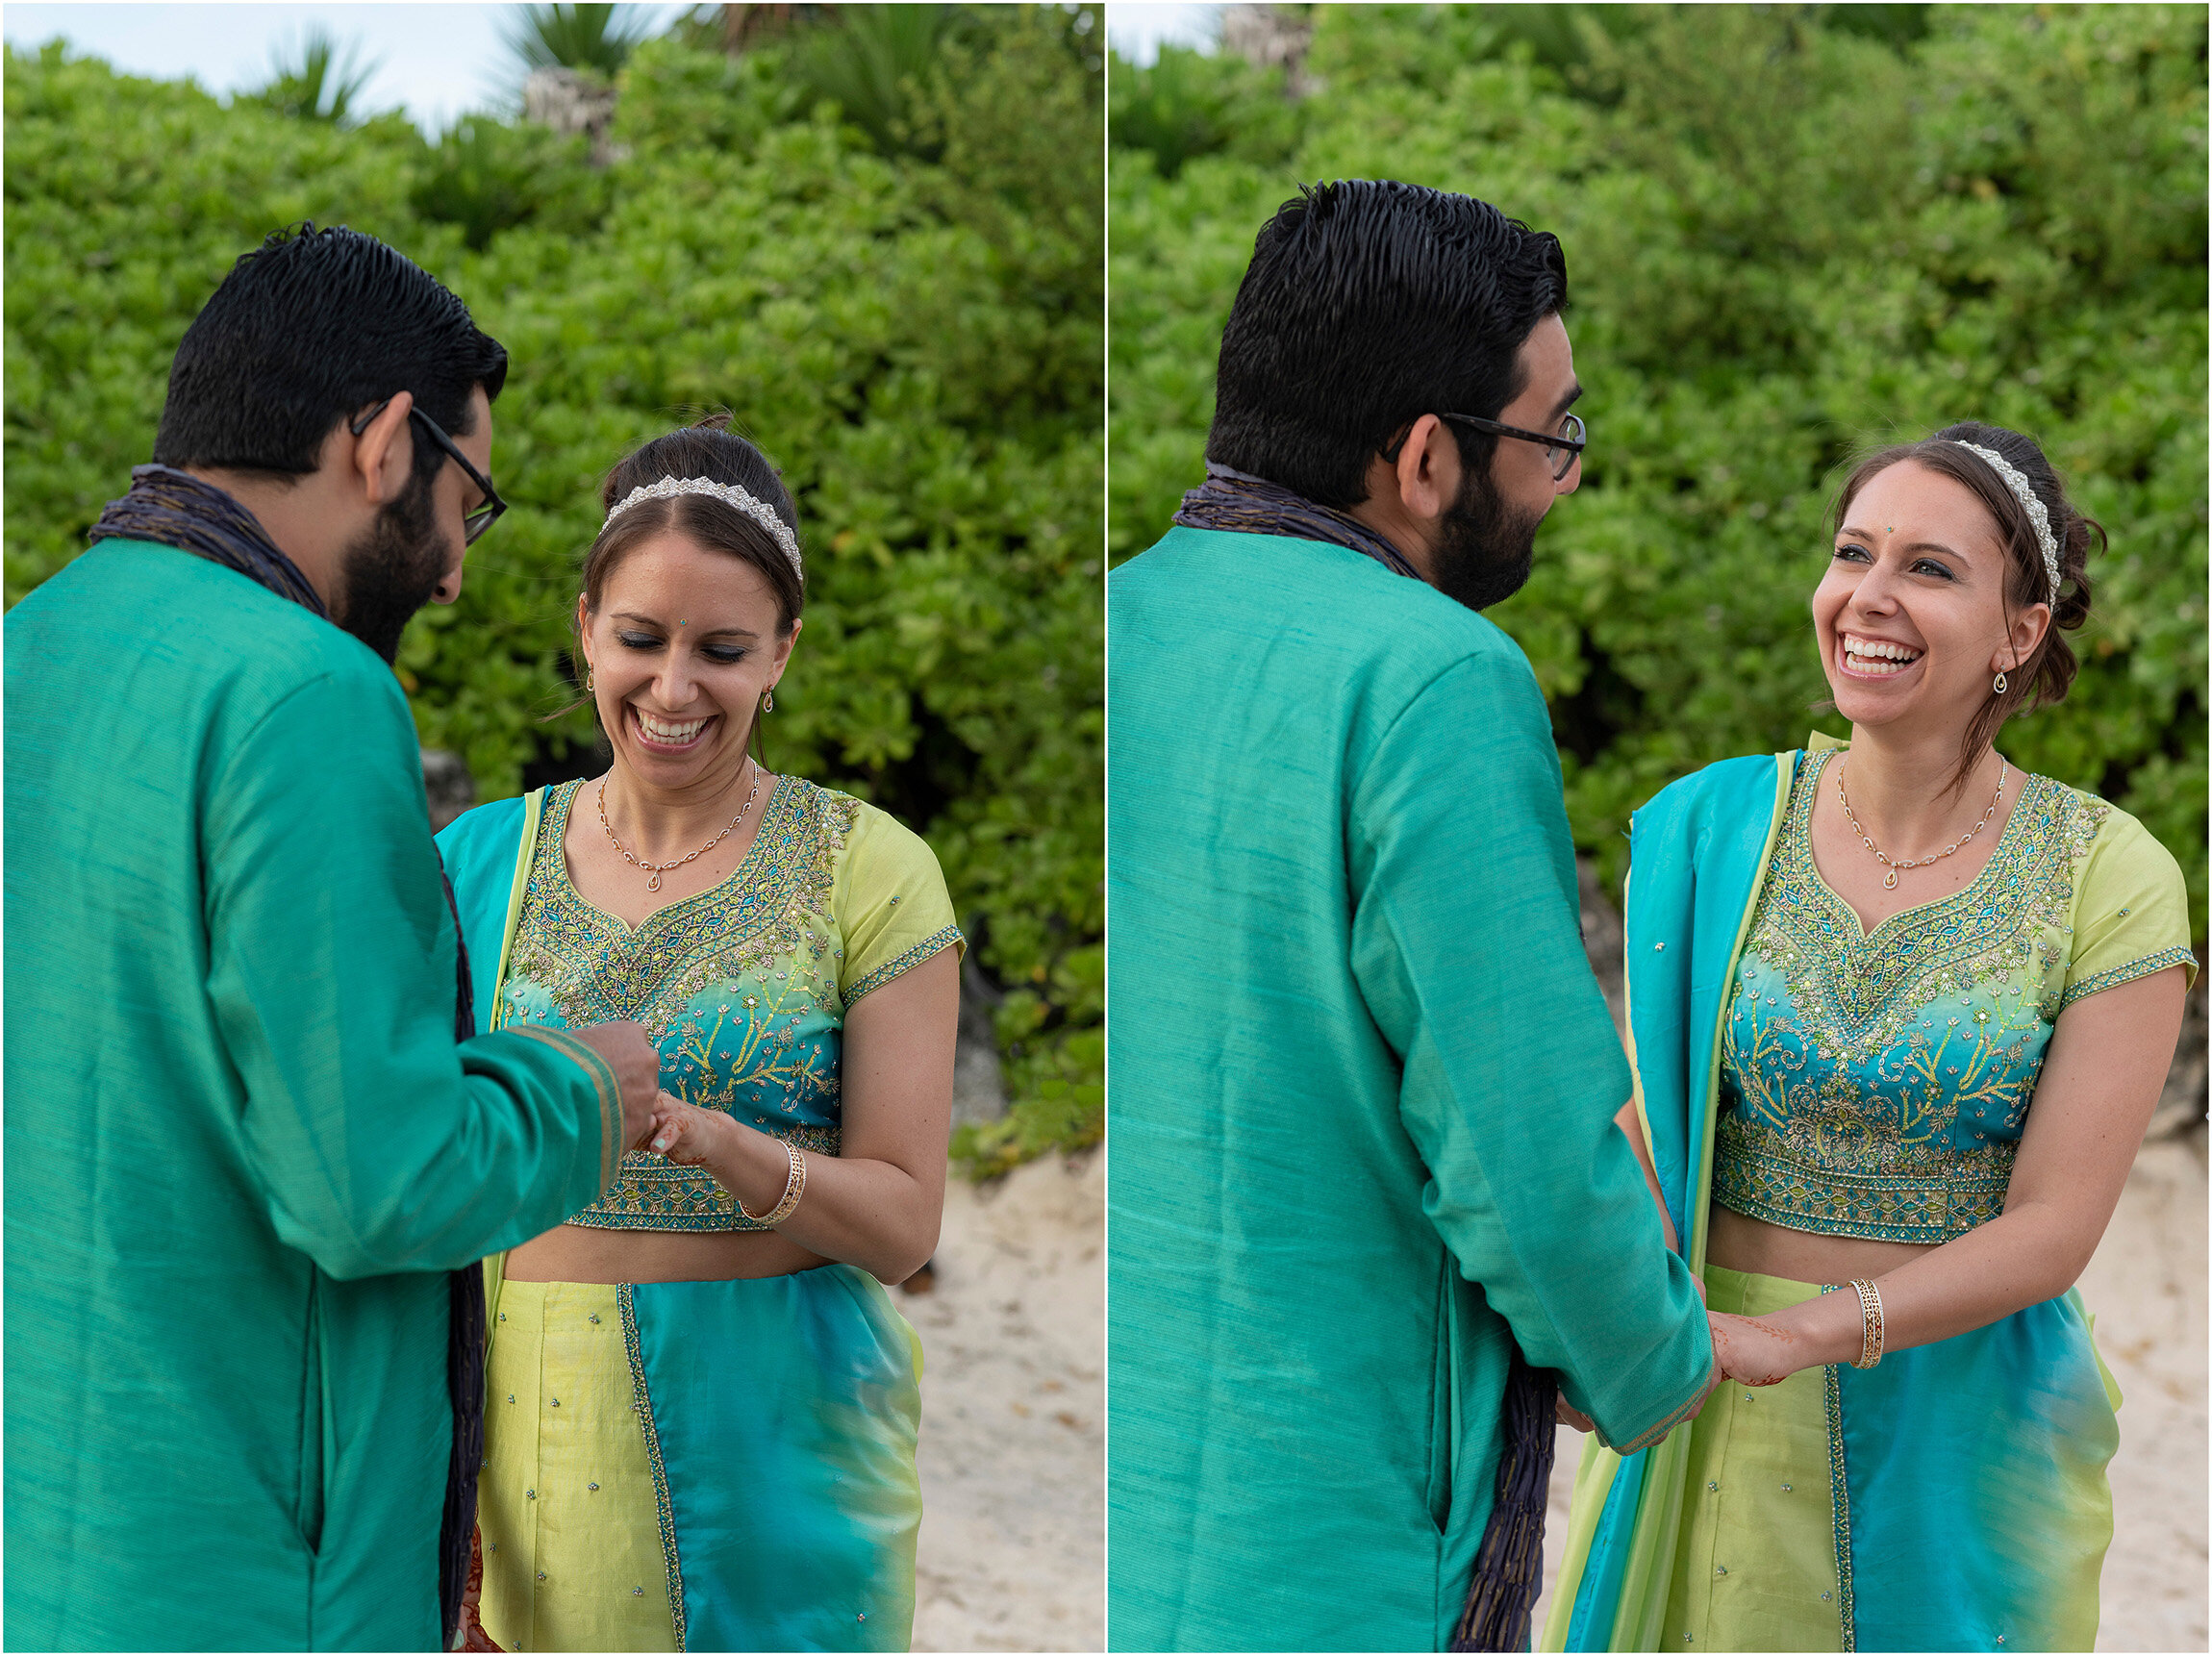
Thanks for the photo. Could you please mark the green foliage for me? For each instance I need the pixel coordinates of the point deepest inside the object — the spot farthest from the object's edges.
(321, 84)
(1191, 103)
(597, 38)
(918, 344)
(486, 176)
(870, 62)
(1792, 235)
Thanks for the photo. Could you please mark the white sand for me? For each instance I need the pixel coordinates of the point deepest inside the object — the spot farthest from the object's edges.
(1013, 1414)
(2146, 1290)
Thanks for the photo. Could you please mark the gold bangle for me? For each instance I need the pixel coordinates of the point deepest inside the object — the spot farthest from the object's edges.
(794, 1187)
(1871, 1332)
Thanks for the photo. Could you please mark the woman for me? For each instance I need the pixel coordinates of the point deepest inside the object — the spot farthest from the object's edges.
(702, 1406)
(1851, 971)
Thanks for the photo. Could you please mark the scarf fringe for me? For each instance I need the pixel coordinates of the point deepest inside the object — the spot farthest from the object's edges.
(1509, 1568)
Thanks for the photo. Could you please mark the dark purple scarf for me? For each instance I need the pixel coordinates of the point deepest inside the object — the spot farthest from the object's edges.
(1509, 1566)
(1238, 503)
(171, 508)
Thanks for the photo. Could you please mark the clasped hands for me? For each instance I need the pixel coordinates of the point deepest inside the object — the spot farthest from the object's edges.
(1749, 1351)
(656, 1121)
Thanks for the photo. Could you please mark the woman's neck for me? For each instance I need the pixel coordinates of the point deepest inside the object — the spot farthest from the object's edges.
(1901, 789)
(659, 825)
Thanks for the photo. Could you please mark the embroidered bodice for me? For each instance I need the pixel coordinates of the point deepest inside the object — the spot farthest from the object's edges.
(745, 988)
(1876, 1085)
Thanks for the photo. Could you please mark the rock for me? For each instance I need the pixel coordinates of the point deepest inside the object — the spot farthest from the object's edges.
(2181, 1106)
(1271, 37)
(445, 779)
(1601, 940)
(568, 101)
(978, 1090)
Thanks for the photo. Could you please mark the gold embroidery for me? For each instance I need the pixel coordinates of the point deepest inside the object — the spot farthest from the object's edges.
(1876, 1085)
(737, 985)
(904, 962)
(642, 1402)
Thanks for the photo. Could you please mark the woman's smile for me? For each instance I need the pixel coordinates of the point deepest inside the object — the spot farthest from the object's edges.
(669, 737)
(1860, 655)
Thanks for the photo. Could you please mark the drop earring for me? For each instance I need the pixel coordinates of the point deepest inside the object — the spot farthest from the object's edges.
(769, 700)
(1999, 683)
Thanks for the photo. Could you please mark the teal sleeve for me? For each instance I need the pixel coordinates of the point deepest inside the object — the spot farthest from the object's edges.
(380, 1143)
(1467, 942)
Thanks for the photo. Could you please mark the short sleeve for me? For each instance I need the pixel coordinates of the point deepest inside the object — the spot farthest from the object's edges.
(2130, 911)
(890, 904)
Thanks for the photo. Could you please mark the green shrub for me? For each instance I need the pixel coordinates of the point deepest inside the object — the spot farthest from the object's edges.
(486, 176)
(917, 344)
(1187, 104)
(1788, 240)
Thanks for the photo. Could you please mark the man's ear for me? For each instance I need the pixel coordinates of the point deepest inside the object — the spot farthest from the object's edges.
(1427, 471)
(383, 454)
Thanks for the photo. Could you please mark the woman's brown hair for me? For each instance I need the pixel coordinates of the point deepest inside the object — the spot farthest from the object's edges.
(711, 450)
(2044, 675)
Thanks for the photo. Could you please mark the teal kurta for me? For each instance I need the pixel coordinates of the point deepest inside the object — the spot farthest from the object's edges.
(242, 1148)
(1362, 1100)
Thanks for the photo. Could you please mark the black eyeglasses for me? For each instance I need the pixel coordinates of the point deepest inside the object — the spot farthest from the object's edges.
(474, 524)
(1559, 448)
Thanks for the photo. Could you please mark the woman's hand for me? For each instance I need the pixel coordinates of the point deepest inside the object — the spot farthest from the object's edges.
(686, 1135)
(746, 1162)
(1567, 1415)
(1753, 1352)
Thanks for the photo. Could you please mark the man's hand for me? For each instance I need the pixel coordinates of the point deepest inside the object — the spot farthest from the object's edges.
(637, 1066)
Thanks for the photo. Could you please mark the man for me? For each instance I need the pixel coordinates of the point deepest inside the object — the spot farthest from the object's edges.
(245, 1144)
(1363, 1084)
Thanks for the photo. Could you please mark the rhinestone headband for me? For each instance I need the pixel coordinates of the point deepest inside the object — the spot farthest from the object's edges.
(2016, 480)
(729, 494)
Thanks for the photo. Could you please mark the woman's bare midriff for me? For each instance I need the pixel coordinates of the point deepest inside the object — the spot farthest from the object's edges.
(1738, 1242)
(585, 1253)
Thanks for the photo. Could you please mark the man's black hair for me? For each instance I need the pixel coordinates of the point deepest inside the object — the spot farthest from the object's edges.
(311, 327)
(1369, 304)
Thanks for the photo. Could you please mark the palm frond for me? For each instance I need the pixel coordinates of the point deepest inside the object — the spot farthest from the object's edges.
(320, 81)
(597, 37)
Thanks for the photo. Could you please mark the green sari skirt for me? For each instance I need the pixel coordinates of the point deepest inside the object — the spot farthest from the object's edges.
(709, 1466)
(1842, 1510)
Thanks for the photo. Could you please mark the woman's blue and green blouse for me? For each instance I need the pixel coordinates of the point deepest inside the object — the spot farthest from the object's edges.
(745, 988)
(1877, 1084)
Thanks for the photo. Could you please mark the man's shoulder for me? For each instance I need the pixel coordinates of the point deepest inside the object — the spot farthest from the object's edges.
(208, 616)
(1308, 586)
(215, 659)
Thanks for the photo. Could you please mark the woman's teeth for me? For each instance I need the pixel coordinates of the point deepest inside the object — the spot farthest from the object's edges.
(1875, 658)
(669, 735)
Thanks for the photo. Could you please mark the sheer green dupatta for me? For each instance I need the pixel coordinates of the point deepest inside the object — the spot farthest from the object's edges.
(1698, 854)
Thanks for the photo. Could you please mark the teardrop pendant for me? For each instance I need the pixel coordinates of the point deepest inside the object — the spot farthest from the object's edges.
(653, 882)
(1891, 884)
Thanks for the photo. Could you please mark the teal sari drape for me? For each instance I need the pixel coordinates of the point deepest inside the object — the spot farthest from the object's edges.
(781, 1414)
(1970, 1505)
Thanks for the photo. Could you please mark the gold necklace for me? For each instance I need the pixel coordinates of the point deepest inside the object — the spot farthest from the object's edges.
(656, 869)
(1890, 883)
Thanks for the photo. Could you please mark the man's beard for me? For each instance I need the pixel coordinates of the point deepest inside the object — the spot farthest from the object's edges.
(390, 571)
(1485, 547)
